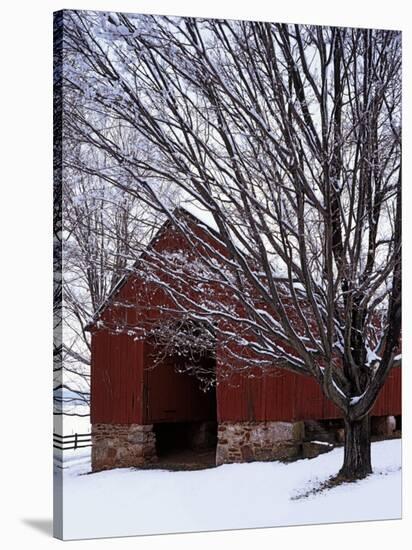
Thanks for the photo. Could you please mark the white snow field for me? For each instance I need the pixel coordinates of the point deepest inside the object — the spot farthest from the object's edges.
(260, 494)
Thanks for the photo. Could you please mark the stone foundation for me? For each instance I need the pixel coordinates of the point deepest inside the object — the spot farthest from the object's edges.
(326, 431)
(250, 441)
(134, 445)
(312, 449)
(122, 446)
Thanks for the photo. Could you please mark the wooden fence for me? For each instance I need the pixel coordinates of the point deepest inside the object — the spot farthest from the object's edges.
(73, 441)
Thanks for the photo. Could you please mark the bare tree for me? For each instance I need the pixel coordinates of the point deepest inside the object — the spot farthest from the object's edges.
(99, 233)
(288, 137)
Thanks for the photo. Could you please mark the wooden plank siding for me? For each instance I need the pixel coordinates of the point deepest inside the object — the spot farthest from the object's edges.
(291, 397)
(170, 396)
(116, 379)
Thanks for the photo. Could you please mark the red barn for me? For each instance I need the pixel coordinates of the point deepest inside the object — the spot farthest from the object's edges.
(141, 412)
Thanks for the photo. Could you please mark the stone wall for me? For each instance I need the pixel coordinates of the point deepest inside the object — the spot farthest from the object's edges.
(134, 445)
(249, 441)
(122, 446)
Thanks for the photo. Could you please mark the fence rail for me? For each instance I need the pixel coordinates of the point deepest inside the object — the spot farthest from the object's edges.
(73, 441)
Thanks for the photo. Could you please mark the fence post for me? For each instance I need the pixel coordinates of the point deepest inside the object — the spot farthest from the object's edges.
(75, 440)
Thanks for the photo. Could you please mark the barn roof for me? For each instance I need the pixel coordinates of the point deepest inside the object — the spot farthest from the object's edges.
(195, 213)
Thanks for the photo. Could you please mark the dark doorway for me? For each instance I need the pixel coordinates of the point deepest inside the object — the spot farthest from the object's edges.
(181, 397)
(186, 445)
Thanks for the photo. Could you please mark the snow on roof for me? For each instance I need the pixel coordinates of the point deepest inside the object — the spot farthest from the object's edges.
(200, 213)
(205, 217)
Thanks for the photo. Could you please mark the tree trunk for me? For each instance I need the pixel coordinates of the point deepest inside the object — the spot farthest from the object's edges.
(357, 456)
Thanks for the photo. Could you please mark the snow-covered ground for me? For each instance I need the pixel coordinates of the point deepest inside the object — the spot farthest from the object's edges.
(232, 496)
(67, 424)
(79, 424)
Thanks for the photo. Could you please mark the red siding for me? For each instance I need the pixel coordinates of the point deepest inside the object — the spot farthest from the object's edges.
(117, 367)
(125, 391)
(170, 396)
(390, 398)
(286, 396)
